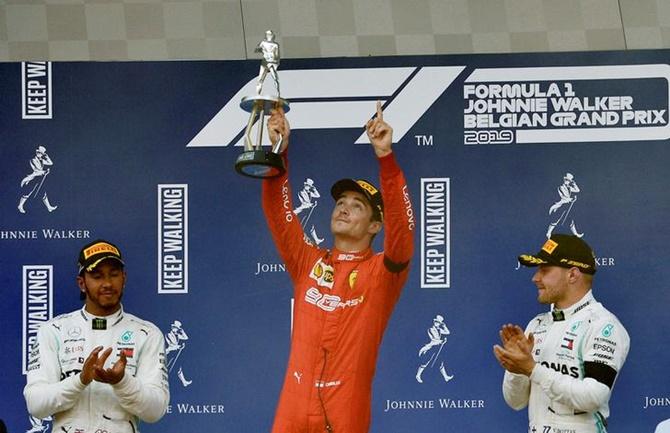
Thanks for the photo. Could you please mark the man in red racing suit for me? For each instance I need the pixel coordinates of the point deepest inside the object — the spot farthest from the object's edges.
(343, 296)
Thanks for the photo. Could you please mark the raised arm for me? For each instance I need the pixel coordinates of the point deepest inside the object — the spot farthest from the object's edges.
(399, 220)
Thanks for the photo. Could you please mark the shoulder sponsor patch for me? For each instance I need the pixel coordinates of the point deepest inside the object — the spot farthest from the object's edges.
(323, 274)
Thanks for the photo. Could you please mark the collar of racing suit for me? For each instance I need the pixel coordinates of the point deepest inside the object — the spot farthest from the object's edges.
(566, 313)
(337, 256)
(110, 320)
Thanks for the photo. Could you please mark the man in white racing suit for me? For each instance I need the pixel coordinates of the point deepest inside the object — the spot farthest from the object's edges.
(563, 367)
(98, 369)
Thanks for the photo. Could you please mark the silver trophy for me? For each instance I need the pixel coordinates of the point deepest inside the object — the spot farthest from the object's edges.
(255, 162)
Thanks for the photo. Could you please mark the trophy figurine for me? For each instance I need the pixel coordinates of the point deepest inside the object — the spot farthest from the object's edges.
(255, 162)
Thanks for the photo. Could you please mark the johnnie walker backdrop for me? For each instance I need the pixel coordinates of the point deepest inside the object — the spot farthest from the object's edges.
(499, 151)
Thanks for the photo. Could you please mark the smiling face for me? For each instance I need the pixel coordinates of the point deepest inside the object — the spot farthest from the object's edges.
(352, 218)
(103, 287)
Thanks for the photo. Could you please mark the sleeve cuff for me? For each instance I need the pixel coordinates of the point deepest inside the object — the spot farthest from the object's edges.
(125, 385)
(77, 384)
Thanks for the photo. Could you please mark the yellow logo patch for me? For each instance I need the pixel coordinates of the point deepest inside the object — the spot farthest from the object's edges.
(318, 270)
(549, 246)
(575, 263)
(323, 274)
(352, 278)
(100, 247)
(366, 186)
(531, 259)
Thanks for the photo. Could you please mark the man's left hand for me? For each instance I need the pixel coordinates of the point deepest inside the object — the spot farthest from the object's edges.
(110, 375)
(517, 354)
(380, 133)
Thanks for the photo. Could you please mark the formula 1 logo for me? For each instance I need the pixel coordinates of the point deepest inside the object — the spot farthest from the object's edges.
(339, 98)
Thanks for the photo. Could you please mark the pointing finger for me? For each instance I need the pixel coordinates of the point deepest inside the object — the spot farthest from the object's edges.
(380, 113)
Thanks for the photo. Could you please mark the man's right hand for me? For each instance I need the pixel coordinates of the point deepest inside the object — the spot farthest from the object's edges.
(278, 124)
(94, 368)
(88, 371)
(515, 355)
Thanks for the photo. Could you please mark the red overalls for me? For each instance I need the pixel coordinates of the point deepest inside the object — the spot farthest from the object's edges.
(343, 302)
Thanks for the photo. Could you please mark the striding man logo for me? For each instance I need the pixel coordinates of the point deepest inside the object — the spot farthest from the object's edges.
(431, 353)
(175, 341)
(308, 200)
(562, 210)
(33, 185)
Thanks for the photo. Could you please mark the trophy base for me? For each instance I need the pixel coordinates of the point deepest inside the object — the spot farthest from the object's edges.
(260, 164)
(265, 102)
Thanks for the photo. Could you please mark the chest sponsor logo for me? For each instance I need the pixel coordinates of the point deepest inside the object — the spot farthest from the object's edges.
(329, 302)
(323, 274)
(603, 347)
(128, 352)
(577, 324)
(572, 371)
(73, 349)
(74, 332)
(607, 331)
(568, 343)
(127, 336)
(352, 278)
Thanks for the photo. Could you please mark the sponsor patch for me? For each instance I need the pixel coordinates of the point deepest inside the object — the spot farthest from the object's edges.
(549, 246)
(127, 351)
(323, 274)
(352, 278)
(100, 247)
(366, 186)
(99, 324)
(607, 330)
(568, 343)
(531, 259)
